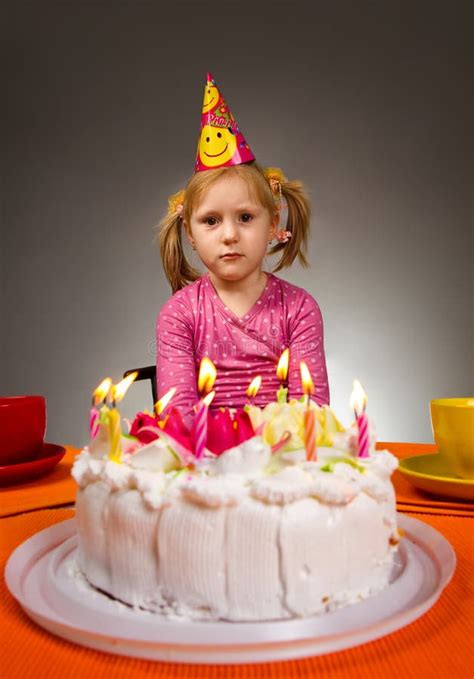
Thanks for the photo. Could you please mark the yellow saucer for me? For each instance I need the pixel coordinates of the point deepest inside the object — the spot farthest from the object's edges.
(432, 473)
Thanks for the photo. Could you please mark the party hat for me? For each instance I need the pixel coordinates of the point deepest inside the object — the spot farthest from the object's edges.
(221, 143)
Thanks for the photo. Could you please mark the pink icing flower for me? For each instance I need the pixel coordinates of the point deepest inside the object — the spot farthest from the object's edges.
(175, 427)
(219, 431)
(223, 432)
(244, 430)
(144, 420)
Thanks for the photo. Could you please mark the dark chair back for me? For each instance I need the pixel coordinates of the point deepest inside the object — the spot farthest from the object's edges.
(146, 373)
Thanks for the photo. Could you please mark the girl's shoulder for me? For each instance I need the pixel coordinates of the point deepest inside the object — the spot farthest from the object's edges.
(292, 293)
(298, 306)
(183, 302)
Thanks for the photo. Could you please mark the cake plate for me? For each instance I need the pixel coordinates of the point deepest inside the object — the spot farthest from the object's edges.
(39, 575)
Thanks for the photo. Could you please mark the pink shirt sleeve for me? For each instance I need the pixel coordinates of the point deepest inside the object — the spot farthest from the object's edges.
(175, 366)
(307, 344)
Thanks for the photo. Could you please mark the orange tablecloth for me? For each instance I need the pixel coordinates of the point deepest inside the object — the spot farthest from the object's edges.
(436, 646)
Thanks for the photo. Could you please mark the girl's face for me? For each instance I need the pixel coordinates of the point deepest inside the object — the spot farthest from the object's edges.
(229, 220)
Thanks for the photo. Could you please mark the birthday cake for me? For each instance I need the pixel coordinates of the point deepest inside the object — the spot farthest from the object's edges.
(253, 528)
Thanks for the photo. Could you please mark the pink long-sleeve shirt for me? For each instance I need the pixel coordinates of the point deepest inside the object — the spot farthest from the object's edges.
(195, 323)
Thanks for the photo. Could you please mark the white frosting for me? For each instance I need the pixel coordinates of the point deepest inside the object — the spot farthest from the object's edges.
(151, 486)
(155, 457)
(244, 536)
(214, 492)
(87, 469)
(248, 459)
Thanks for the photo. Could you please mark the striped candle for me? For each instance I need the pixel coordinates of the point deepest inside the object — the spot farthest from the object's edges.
(310, 434)
(309, 420)
(94, 422)
(206, 378)
(363, 440)
(200, 425)
(358, 404)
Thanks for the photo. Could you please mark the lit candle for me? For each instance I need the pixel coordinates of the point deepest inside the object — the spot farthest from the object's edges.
(253, 388)
(282, 372)
(164, 400)
(115, 434)
(99, 394)
(200, 425)
(116, 394)
(207, 375)
(309, 416)
(358, 405)
(206, 379)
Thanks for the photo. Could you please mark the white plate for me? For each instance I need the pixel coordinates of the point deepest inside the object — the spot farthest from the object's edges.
(38, 576)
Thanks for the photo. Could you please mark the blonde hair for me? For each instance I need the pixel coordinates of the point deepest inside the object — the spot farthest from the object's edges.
(179, 272)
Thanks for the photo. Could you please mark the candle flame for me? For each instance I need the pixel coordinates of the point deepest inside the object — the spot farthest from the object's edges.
(358, 398)
(254, 386)
(282, 367)
(208, 399)
(119, 390)
(306, 380)
(164, 400)
(101, 391)
(207, 375)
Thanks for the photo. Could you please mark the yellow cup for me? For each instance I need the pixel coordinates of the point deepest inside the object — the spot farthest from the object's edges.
(452, 421)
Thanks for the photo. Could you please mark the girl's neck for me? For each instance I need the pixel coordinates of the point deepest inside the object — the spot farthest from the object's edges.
(255, 280)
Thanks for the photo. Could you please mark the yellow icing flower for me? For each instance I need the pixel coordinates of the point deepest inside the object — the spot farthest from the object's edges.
(281, 417)
(330, 425)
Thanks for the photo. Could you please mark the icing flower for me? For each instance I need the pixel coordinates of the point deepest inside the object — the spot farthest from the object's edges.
(223, 432)
(176, 203)
(142, 420)
(279, 418)
(174, 426)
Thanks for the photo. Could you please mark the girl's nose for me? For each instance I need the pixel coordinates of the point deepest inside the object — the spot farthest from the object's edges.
(230, 231)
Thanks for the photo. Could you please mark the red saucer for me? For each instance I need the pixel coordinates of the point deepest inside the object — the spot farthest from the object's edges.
(45, 460)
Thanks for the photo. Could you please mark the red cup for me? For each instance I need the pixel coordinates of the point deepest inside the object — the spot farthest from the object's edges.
(22, 428)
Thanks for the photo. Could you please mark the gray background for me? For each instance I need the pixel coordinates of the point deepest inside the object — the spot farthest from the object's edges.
(366, 102)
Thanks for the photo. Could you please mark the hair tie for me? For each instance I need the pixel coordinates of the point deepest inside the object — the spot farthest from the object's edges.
(275, 178)
(176, 204)
(283, 236)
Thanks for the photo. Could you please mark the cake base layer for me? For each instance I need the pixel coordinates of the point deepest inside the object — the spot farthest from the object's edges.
(292, 544)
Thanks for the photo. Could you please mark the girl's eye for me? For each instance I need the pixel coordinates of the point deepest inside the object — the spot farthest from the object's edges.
(246, 217)
(211, 221)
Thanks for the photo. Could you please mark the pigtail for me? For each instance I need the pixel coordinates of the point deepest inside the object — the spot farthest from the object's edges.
(177, 269)
(298, 219)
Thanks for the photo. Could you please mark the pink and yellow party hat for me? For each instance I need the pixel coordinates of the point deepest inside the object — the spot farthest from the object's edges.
(221, 143)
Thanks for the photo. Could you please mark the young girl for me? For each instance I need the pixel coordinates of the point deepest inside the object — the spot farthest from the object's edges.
(237, 314)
